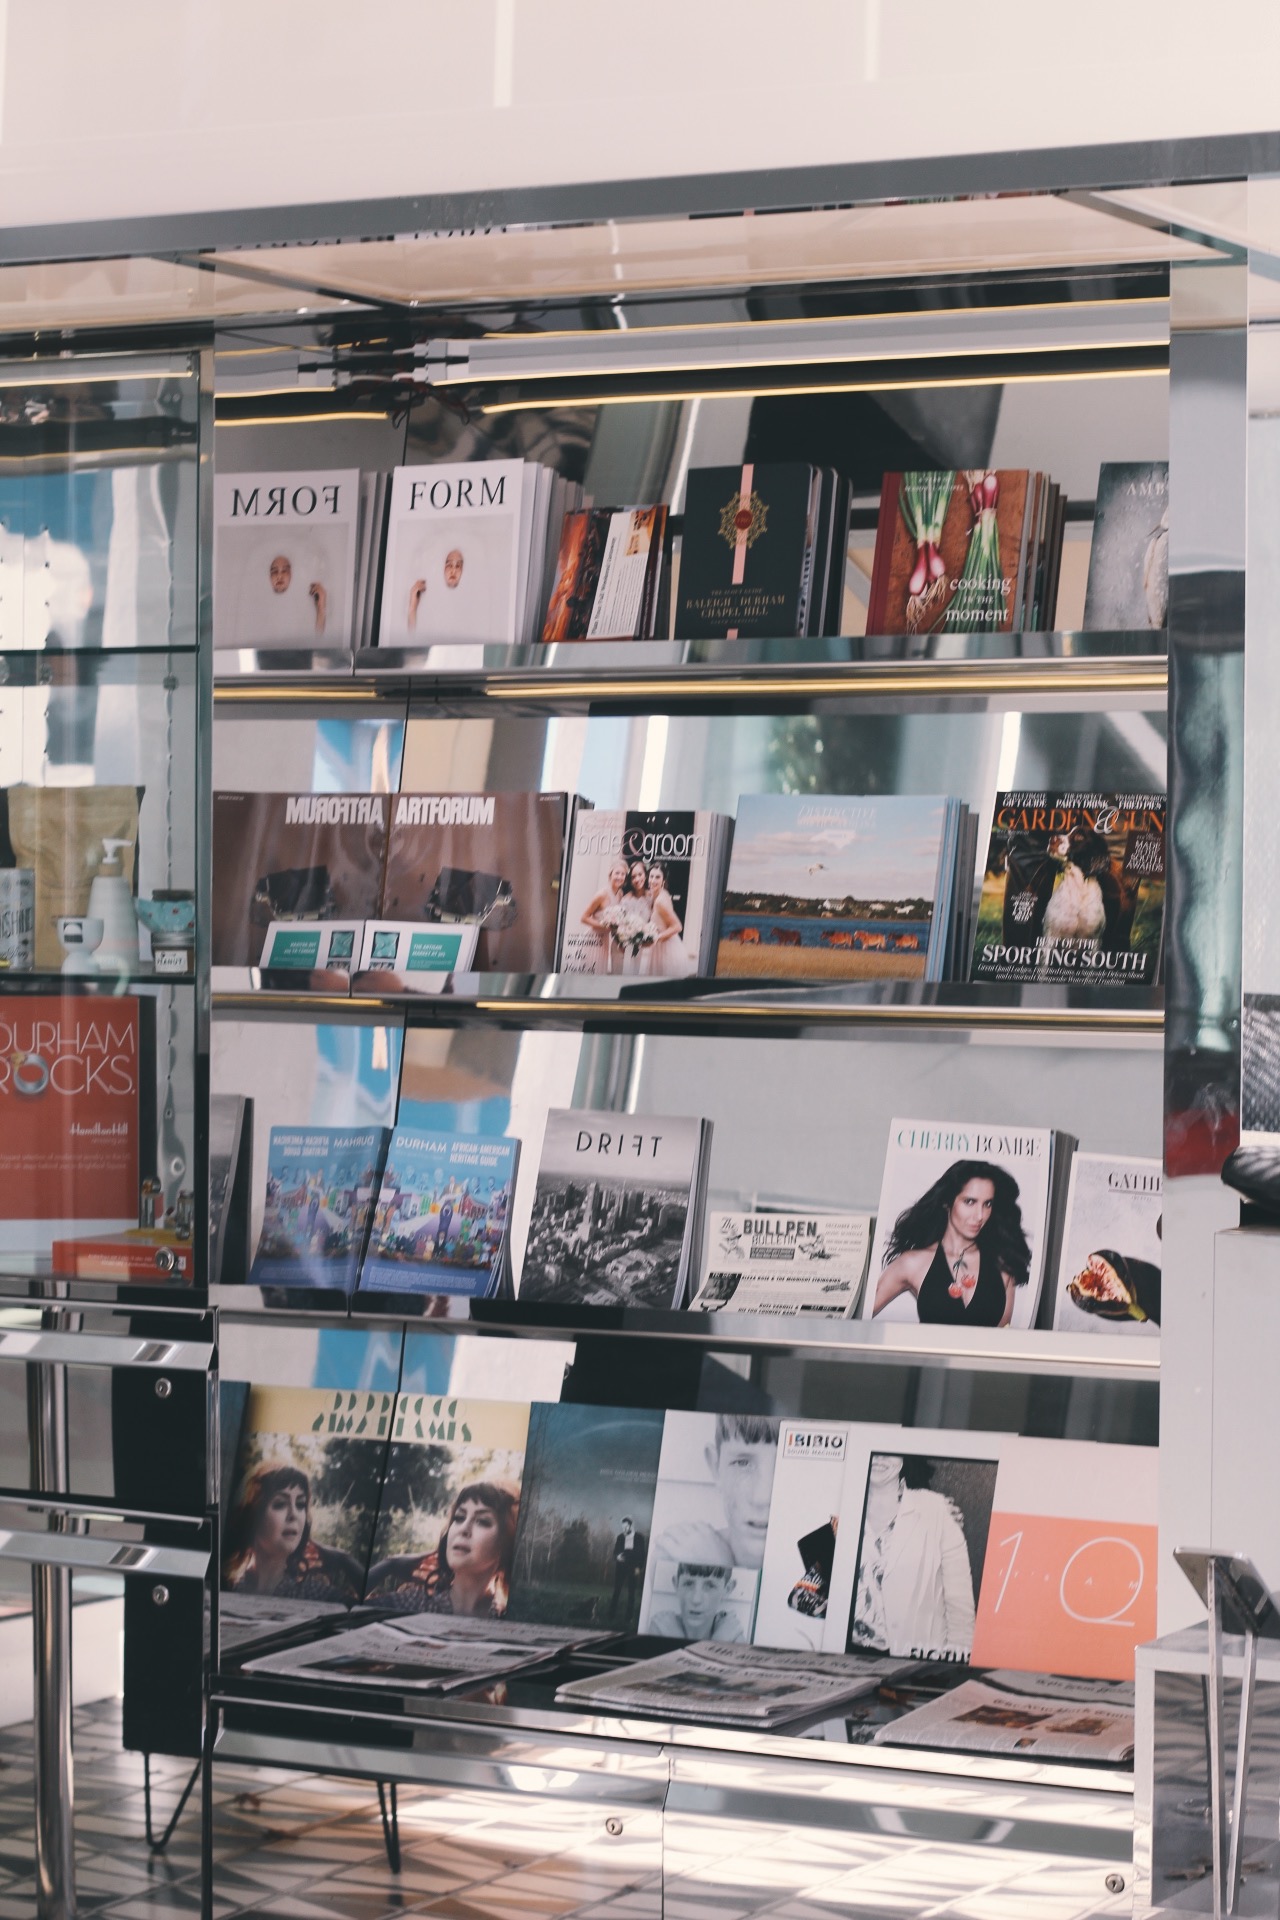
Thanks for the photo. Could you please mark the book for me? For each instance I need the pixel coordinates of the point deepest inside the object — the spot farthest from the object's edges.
(140, 1253)
(304, 1493)
(731, 1686)
(963, 1223)
(616, 1209)
(586, 1515)
(493, 860)
(1109, 1268)
(995, 1548)
(976, 1717)
(459, 541)
(710, 1523)
(782, 1263)
(321, 1184)
(1128, 586)
(76, 1136)
(1073, 889)
(606, 574)
(951, 551)
(827, 887)
(799, 1557)
(446, 1526)
(284, 559)
(292, 856)
(747, 551)
(440, 1224)
(642, 893)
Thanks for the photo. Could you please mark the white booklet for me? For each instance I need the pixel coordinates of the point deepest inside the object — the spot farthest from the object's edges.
(782, 1263)
(979, 1718)
(284, 558)
(732, 1684)
(962, 1225)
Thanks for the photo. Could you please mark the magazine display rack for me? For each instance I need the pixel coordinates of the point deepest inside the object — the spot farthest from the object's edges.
(649, 1809)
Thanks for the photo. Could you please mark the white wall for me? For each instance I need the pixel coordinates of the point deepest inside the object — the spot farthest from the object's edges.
(163, 106)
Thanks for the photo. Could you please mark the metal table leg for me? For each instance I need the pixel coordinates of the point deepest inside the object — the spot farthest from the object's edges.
(51, 1632)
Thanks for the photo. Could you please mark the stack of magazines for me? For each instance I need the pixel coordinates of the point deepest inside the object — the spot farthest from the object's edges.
(643, 893)
(735, 1686)
(970, 551)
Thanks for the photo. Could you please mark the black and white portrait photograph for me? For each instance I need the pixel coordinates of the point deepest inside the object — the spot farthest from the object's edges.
(921, 1550)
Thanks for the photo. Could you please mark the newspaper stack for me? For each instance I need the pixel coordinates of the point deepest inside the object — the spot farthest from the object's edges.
(1075, 1723)
(733, 1685)
(430, 1653)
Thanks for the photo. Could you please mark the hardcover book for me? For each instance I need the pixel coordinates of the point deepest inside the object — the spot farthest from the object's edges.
(1128, 585)
(615, 1209)
(492, 860)
(284, 558)
(642, 892)
(457, 553)
(445, 1538)
(292, 856)
(827, 887)
(710, 1523)
(1109, 1269)
(74, 1073)
(962, 1225)
(784, 1263)
(440, 1225)
(587, 1515)
(747, 554)
(321, 1184)
(304, 1493)
(1073, 889)
(606, 576)
(951, 551)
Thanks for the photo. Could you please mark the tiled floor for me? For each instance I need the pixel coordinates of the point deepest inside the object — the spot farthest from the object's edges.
(291, 1846)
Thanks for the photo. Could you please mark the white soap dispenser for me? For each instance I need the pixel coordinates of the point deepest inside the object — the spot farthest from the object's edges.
(111, 901)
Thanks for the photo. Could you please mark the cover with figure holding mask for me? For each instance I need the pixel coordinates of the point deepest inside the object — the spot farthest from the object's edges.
(587, 1515)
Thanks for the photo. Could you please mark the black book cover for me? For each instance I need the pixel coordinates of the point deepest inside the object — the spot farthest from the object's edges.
(747, 554)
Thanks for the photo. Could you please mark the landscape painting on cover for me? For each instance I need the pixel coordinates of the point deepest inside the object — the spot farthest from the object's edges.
(587, 1514)
(831, 887)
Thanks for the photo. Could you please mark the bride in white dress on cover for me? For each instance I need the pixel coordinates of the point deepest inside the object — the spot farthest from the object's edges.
(602, 916)
(664, 957)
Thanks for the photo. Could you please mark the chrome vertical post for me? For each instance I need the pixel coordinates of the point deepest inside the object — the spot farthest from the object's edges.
(51, 1636)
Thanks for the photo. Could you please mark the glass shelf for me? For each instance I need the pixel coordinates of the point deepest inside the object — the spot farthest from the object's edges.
(582, 1000)
(645, 674)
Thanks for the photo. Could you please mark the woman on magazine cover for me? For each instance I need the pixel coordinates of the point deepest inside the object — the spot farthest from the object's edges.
(664, 957)
(914, 1591)
(270, 1548)
(960, 1249)
(468, 1572)
(602, 916)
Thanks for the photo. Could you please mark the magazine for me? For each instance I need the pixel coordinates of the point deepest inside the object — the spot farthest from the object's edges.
(616, 1211)
(828, 887)
(492, 860)
(606, 574)
(440, 1224)
(587, 1515)
(747, 551)
(799, 1559)
(447, 1518)
(642, 893)
(284, 559)
(962, 1225)
(459, 540)
(978, 1718)
(732, 1686)
(710, 1522)
(784, 1263)
(1128, 586)
(1109, 1268)
(304, 1493)
(321, 1184)
(1073, 889)
(956, 551)
(994, 1548)
(292, 856)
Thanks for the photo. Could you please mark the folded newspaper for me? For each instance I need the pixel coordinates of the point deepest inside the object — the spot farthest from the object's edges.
(246, 1618)
(985, 1719)
(434, 1654)
(733, 1685)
